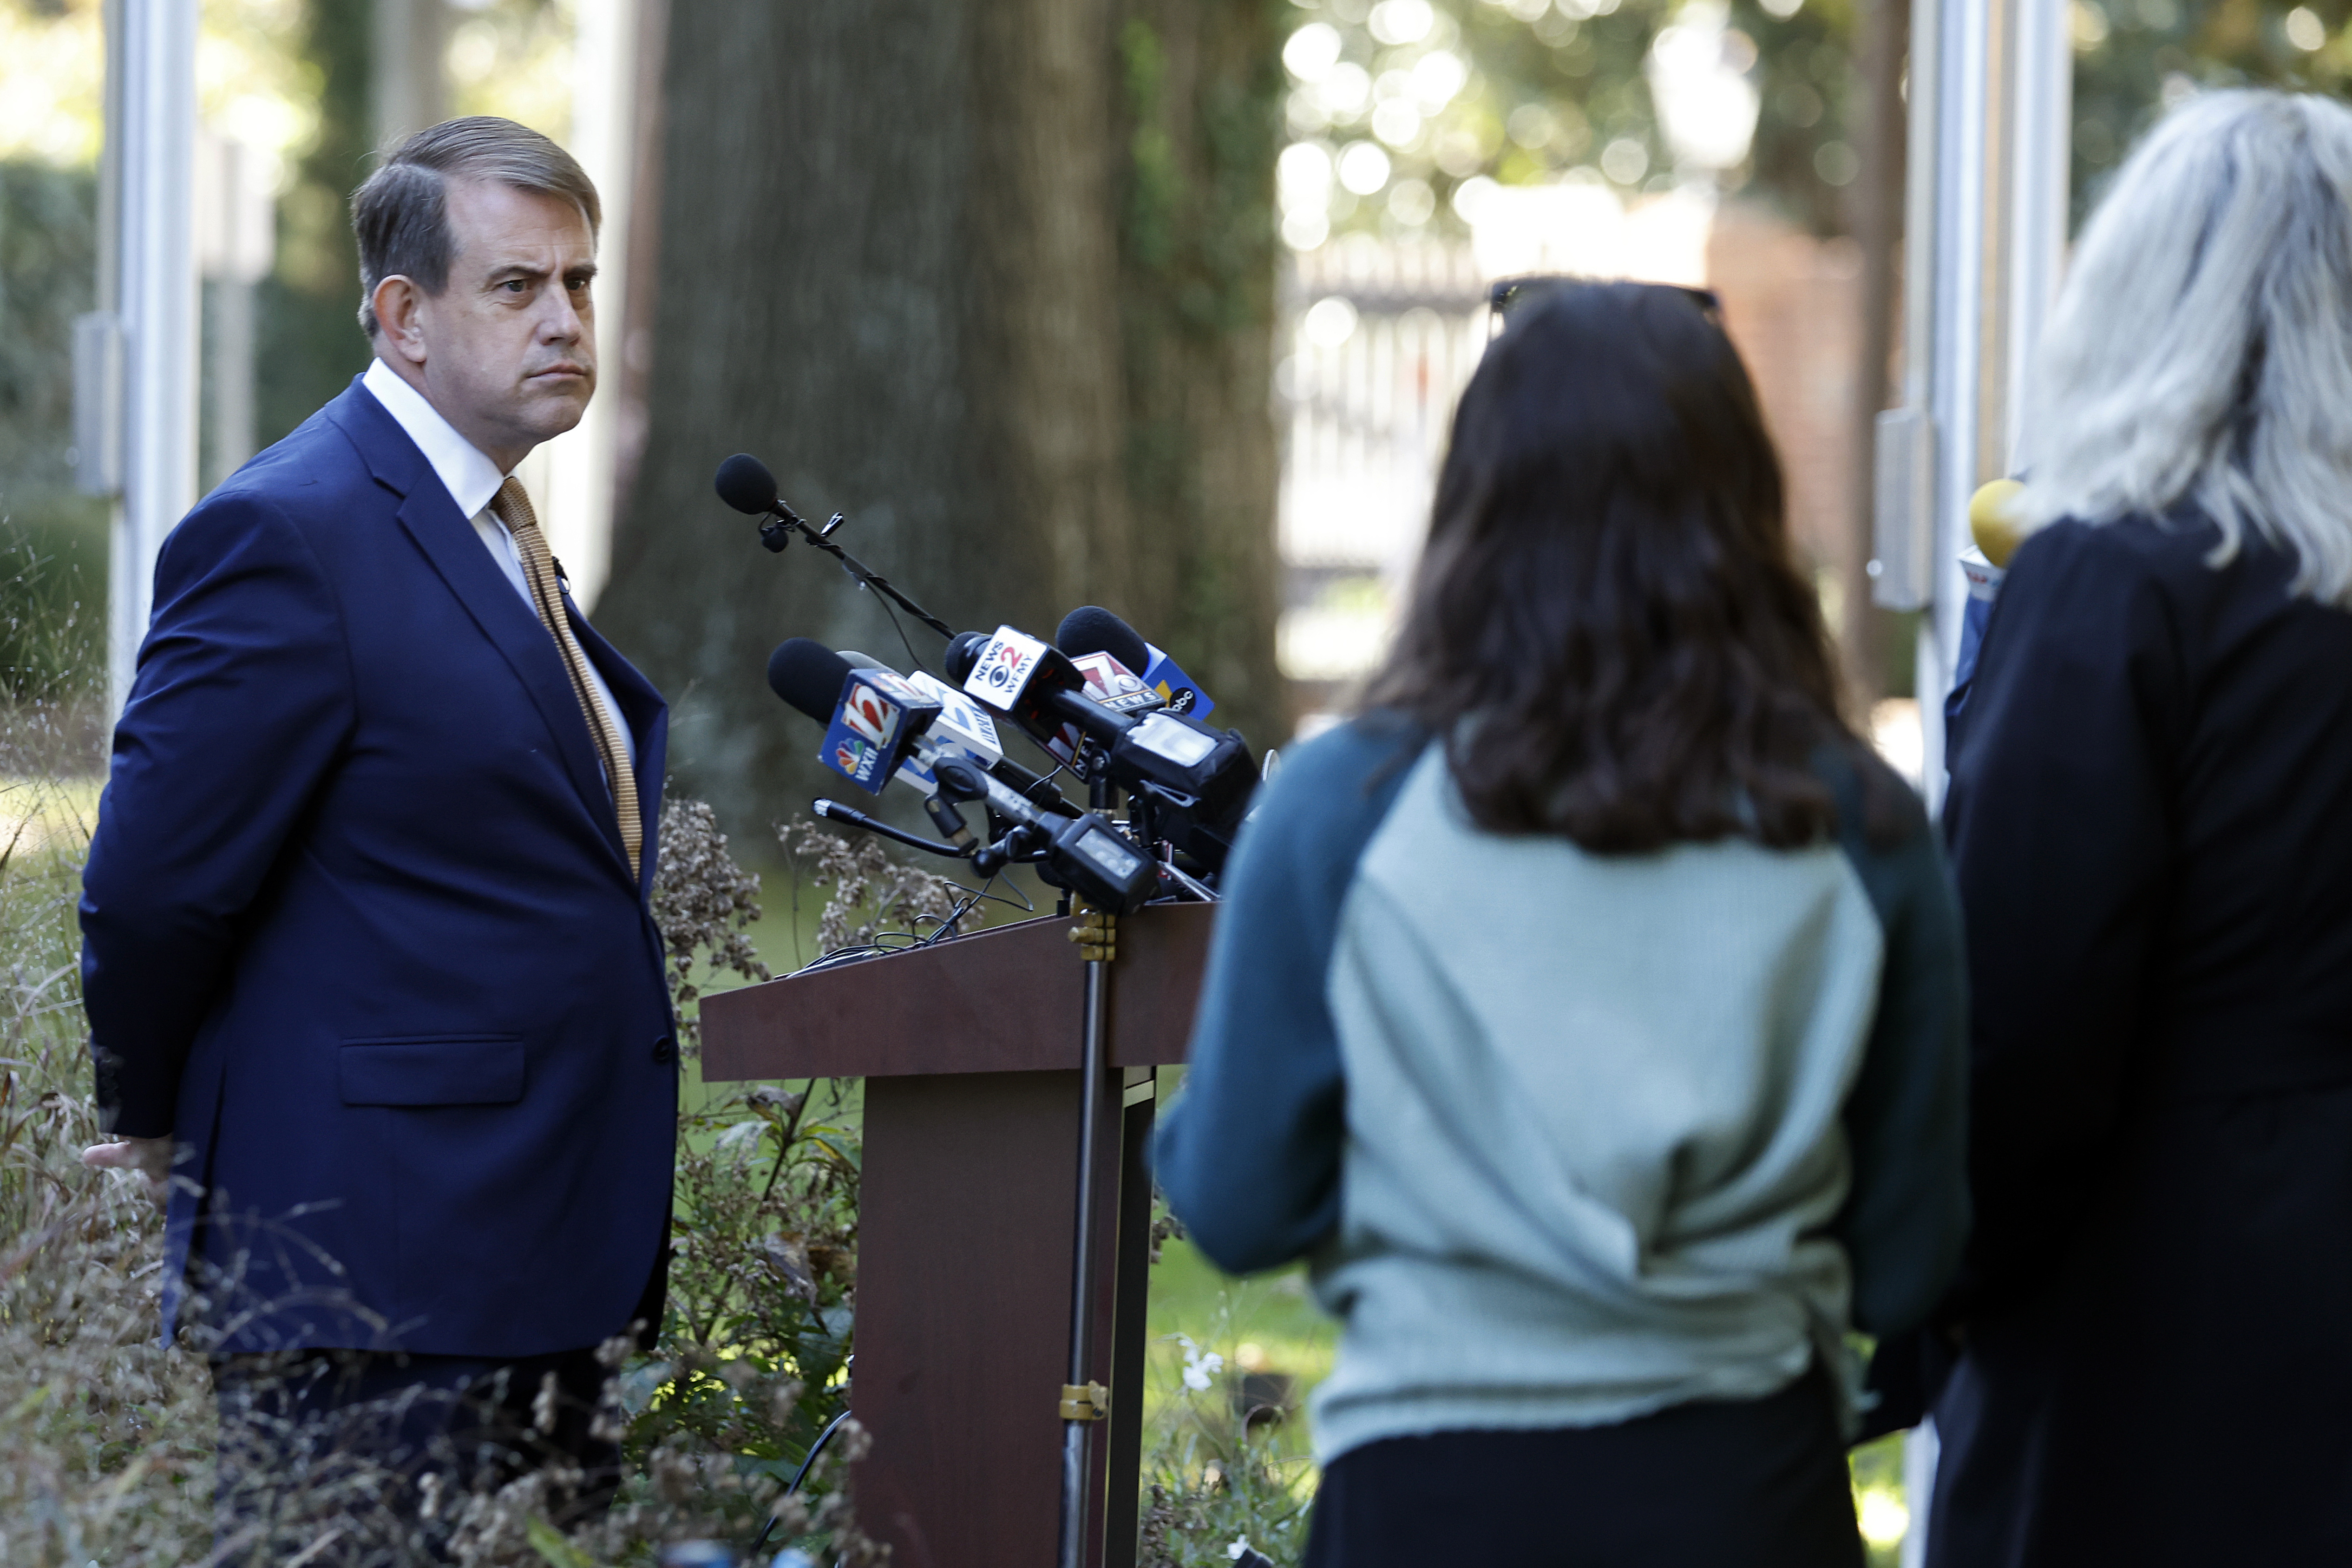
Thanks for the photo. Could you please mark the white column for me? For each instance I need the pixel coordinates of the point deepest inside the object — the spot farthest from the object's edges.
(1963, 307)
(151, 134)
(574, 473)
(2039, 188)
(1991, 134)
(1991, 139)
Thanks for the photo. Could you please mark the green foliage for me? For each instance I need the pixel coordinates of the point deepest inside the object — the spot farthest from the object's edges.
(1585, 72)
(1155, 186)
(1550, 87)
(53, 613)
(305, 313)
(48, 275)
(1199, 118)
(105, 1436)
(763, 1258)
(1806, 88)
(2135, 57)
(1217, 1470)
(53, 541)
(1547, 92)
(1199, 180)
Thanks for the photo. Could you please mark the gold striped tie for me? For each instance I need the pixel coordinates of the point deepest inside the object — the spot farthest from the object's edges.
(512, 505)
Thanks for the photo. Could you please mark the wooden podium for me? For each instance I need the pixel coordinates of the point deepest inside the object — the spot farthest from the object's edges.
(967, 1214)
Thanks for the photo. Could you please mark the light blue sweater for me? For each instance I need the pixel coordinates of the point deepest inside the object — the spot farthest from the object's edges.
(1570, 1138)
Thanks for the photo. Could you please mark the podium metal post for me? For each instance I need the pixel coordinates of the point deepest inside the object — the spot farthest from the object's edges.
(1079, 1419)
(1076, 1426)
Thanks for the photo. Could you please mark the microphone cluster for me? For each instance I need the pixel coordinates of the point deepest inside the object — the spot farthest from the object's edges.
(1110, 709)
(1189, 781)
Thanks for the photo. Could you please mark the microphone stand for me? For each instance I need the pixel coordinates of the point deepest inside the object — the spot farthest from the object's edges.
(1083, 1402)
(777, 532)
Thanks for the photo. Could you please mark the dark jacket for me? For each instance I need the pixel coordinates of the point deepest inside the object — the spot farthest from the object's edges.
(2151, 822)
(360, 930)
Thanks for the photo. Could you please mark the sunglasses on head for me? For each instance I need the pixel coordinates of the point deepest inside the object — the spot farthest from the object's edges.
(1507, 295)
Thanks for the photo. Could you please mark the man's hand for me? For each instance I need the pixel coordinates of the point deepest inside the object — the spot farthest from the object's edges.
(151, 1157)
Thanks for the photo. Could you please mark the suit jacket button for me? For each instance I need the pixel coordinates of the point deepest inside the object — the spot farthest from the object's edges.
(664, 1049)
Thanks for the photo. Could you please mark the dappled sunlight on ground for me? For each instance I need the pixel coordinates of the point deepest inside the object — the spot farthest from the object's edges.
(47, 813)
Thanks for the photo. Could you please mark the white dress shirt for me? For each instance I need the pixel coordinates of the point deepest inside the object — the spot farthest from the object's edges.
(472, 480)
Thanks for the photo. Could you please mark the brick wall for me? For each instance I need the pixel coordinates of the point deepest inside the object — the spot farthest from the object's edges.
(1792, 304)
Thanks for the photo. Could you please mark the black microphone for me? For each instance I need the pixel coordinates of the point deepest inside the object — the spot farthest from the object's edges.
(963, 655)
(1093, 629)
(1085, 851)
(745, 484)
(809, 677)
(1090, 628)
(804, 672)
(1195, 782)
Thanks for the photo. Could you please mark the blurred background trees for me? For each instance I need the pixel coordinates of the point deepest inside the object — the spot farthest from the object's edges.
(1159, 304)
(1009, 284)
(1004, 270)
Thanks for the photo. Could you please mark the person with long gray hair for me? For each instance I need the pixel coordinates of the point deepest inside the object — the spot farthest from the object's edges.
(2148, 820)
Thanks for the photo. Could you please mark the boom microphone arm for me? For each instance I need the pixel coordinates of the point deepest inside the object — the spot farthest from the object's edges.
(744, 483)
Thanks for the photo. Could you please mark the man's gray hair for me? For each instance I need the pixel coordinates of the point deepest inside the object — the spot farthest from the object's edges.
(400, 214)
(2201, 348)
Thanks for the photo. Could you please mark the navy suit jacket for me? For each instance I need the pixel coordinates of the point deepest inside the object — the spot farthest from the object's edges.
(360, 932)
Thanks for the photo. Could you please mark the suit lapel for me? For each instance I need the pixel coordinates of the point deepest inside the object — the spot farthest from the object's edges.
(448, 541)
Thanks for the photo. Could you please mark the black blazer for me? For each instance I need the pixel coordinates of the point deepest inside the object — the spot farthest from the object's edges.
(360, 930)
(2150, 819)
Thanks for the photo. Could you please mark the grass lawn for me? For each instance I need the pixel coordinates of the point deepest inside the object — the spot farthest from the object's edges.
(1267, 1325)
(43, 813)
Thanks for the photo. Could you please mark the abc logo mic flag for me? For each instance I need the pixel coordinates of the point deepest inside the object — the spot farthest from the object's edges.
(1175, 688)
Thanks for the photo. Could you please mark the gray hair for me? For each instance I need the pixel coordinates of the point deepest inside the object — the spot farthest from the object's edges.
(400, 214)
(2201, 347)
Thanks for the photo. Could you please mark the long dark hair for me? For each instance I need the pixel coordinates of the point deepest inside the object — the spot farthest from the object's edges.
(1607, 625)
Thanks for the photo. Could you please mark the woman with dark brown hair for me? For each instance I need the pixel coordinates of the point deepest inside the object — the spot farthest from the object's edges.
(1588, 1010)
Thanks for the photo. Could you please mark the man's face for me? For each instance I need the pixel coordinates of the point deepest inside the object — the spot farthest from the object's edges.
(507, 351)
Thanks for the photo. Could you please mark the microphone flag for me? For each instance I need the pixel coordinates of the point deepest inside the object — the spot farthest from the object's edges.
(874, 725)
(1175, 688)
(962, 724)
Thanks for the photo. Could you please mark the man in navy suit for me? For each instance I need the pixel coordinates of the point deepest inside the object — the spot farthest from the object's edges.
(374, 991)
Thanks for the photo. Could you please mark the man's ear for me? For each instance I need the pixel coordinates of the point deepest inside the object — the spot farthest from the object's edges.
(398, 318)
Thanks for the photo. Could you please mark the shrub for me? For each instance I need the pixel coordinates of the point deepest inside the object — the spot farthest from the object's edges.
(107, 1437)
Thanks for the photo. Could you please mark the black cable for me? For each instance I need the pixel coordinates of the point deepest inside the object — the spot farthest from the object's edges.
(946, 923)
(840, 955)
(974, 898)
(786, 518)
(913, 663)
(809, 1458)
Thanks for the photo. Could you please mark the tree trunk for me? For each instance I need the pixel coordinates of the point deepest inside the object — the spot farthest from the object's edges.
(1877, 220)
(896, 262)
(1201, 82)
